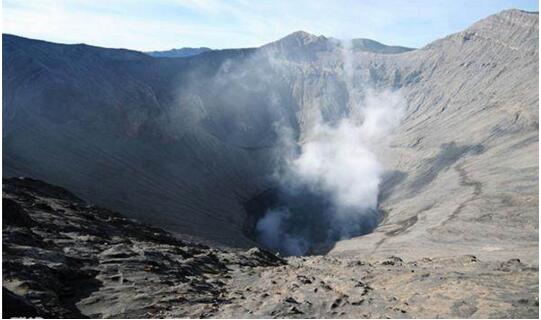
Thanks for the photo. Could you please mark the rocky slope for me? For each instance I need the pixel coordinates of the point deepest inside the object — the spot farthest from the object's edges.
(65, 258)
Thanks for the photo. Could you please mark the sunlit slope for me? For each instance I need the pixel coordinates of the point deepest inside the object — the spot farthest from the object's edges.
(465, 159)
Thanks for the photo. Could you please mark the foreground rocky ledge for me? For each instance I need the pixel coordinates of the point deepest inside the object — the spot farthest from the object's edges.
(65, 258)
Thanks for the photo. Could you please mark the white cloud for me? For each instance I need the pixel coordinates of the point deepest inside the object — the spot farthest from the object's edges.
(163, 24)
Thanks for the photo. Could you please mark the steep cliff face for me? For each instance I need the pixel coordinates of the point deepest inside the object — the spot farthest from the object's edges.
(184, 143)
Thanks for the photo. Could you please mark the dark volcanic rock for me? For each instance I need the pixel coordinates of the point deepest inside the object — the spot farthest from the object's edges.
(78, 260)
(64, 258)
(16, 306)
(13, 214)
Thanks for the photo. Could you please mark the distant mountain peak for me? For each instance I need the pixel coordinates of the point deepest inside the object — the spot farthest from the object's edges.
(517, 17)
(178, 53)
(301, 34)
(517, 11)
(301, 38)
(510, 29)
(368, 45)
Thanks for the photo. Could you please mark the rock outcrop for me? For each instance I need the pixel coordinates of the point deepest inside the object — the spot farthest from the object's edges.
(65, 258)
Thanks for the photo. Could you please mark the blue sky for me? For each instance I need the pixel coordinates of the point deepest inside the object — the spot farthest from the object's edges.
(166, 24)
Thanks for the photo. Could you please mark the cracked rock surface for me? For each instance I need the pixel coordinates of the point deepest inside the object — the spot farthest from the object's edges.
(65, 258)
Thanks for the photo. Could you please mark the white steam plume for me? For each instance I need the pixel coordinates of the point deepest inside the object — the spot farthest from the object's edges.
(339, 162)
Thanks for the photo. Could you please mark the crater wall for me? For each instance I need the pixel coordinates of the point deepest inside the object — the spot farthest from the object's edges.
(183, 143)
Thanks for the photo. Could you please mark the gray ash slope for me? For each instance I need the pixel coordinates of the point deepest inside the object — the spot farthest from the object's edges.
(466, 156)
(102, 121)
(184, 143)
(65, 258)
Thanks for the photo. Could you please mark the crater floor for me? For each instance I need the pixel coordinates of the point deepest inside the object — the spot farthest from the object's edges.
(303, 222)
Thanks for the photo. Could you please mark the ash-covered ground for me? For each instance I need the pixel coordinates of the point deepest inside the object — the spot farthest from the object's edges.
(65, 258)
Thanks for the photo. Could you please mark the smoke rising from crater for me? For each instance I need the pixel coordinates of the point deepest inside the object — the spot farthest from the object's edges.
(340, 161)
(320, 124)
(336, 162)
